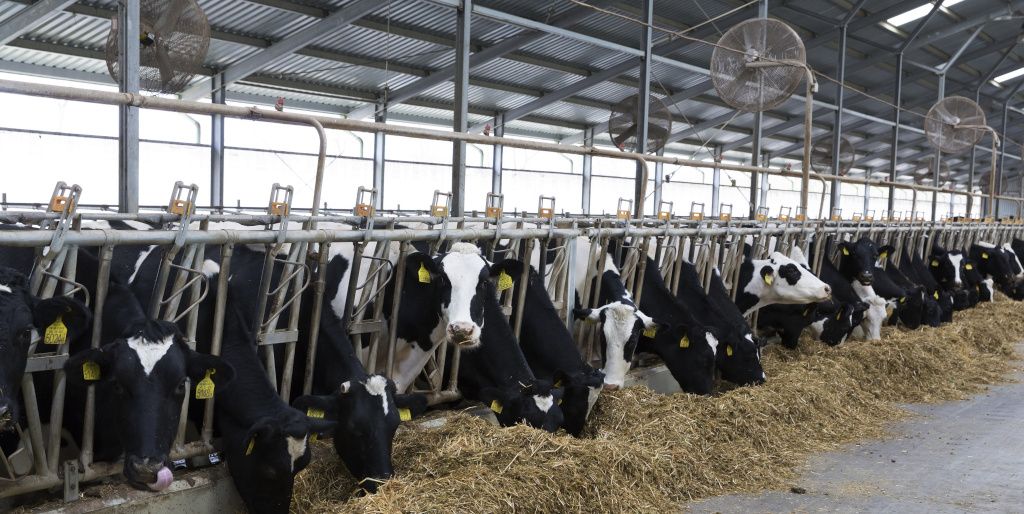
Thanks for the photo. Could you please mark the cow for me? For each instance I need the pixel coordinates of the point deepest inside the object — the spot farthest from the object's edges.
(996, 266)
(843, 289)
(914, 267)
(549, 347)
(738, 353)
(979, 289)
(779, 279)
(142, 378)
(829, 321)
(24, 318)
(917, 306)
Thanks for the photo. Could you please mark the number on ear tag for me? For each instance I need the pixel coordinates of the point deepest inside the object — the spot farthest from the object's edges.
(424, 275)
(504, 281)
(314, 412)
(651, 332)
(845, 251)
(90, 370)
(56, 333)
(205, 387)
(936, 295)
(935, 264)
(496, 406)
(684, 342)
(404, 414)
(768, 279)
(252, 444)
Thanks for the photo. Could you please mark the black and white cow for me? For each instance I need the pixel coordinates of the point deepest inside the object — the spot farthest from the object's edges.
(830, 321)
(779, 280)
(915, 268)
(550, 350)
(979, 289)
(870, 327)
(996, 268)
(738, 355)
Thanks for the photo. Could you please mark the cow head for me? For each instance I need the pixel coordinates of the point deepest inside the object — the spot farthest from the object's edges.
(910, 308)
(833, 321)
(455, 282)
(947, 267)
(621, 327)
(780, 280)
(22, 316)
(993, 262)
(857, 260)
(145, 377)
(368, 413)
(689, 354)
(739, 360)
(266, 455)
(874, 316)
(1016, 266)
(535, 403)
(580, 392)
(931, 315)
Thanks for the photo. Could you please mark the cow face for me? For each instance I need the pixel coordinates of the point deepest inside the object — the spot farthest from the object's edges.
(740, 360)
(834, 321)
(368, 413)
(993, 262)
(782, 280)
(621, 328)
(536, 404)
(455, 282)
(689, 354)
(264, 460)
(580, 392)
(145, 377)
(857, 260)
(870, 327)
(947, 267)
(910, 308)
(20, 317)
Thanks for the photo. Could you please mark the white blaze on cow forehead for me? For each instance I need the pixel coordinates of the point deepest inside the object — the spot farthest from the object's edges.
(150, 352)
(955, 259)
(296, 448)
(4, 288)
(544, 403)
(990, 283)
(462, 265)
(378, 386)
(712, 342)
(617, 328)
(139, 261)
(210, 268)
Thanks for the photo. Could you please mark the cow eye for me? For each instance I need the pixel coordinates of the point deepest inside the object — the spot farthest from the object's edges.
(25, 335)
(182, 387)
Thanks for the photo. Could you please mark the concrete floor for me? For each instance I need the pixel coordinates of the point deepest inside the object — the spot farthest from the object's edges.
(965, 456)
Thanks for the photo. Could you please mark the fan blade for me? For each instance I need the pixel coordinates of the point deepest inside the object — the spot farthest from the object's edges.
(621, 139)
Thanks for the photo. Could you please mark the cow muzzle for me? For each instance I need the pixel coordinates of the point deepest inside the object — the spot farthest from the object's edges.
(865, 278)
(463, 333)
(149, 472)
(612, 387)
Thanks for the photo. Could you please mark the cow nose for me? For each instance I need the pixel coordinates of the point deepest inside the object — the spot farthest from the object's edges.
(611, 387)
(828, 290)
(461, 332)
(865, 277)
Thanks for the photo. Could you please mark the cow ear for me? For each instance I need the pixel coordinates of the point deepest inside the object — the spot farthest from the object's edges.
(845, 248)
(414, 403)
(421, 268)
(511, 267)
(320, 426)
(767, 275)
(310, 403)
(885, 251)
(585, 314)
(595, 378)
(260, 431)
(90, 366)
(495, 398)
(200, 363)
(70, 312)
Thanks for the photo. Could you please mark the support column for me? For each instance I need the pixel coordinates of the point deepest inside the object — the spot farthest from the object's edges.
(659, 181)
(755, 141)
(766, 161)
(380, 116)
(937, 161)
(588, 167)
(716, 182)
(498, 155)
(461, 106)
(643, 103)
(1002, 154)
(128, 117)
(217, 147)
(897, 100)
(837, 125)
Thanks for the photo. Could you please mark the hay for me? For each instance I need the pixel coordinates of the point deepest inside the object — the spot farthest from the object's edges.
(645, 452)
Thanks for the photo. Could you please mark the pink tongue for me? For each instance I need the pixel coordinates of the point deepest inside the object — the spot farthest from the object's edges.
(164, 477)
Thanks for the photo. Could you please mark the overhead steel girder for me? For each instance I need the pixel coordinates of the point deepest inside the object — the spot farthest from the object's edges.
(570, 17)
(351, 12)
(30, 17)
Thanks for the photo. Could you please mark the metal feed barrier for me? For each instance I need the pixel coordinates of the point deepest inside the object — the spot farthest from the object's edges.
(381, 247)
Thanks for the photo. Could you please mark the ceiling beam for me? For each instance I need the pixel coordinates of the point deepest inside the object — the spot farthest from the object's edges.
(30, 17)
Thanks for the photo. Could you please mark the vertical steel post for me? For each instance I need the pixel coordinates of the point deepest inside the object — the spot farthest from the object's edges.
(498, 155)
(937, 162)
(766, 161)
(461, 105)
(128, 117)
(755, 142)
(659, 181)
(974, 148)
(643, 103)
(1002, 153)
(897, 100)
(837, 125)
(380, 116)
(716, 182)
(588, 168)
(217, 146)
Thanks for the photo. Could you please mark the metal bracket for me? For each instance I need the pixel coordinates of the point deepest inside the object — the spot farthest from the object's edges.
(546, 212)
(280, 205)
(71, 478)
(494, 205)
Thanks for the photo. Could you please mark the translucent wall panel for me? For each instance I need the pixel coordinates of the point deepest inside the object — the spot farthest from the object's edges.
(33, 163)
(161, 164)
(249, 175)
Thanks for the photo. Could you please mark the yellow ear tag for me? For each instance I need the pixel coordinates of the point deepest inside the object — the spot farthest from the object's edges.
(903, 300)
(651, 332)
(684, 342)
(936, 295)
(839, 315)
(504, 281)
(252, 444)
(314, 412)
(496, 406)
(205, 387)
(404, 415)
(56, 333)
(424, 275)
(883, 255)
(968, 266)
(558, 383)
(845, 251)
(728, 350)
(90, 370)
(984, 255)
(768, 279)
(935, 264)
